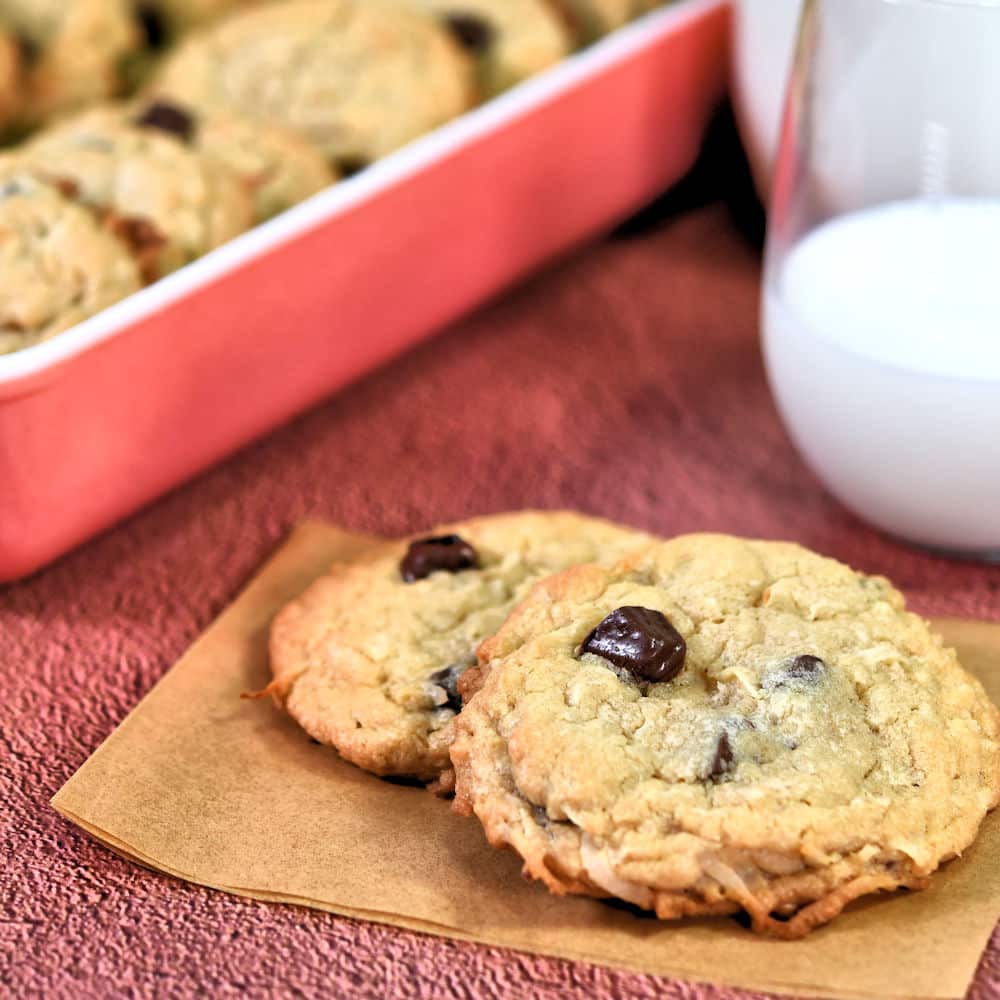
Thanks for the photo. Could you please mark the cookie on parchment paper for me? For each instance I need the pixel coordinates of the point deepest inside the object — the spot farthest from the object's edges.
(368, 659)
(717, 725)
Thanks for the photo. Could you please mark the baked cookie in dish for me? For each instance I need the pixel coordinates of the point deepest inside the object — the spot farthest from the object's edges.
(73, 51)
(357, 78)
(716, 725)
(511, 40)
(367, 660)
(278, 167)
(168, 202)
(58, 266)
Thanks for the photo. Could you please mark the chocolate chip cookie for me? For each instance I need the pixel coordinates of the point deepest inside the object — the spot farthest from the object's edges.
(57, 265)
(510, 40)
(169, 203)
(716, 725)
(357, 78)
(369, 658)
(278, 167)
(73, 51)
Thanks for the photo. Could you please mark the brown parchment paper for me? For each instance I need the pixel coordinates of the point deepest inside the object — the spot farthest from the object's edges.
(231, 794)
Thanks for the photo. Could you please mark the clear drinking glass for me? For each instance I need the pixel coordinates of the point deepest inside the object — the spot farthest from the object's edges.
(881, 306)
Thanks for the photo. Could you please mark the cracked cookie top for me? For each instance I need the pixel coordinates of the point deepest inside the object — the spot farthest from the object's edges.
(277, 166)
(718, 724)
(73, 51)
(167, 201)
(511, 40)
(57, 265)
(369, 658)
(357, 78)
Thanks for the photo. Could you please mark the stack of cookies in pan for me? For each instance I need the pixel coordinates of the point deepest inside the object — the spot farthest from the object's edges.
(239, 109)
(705, 725)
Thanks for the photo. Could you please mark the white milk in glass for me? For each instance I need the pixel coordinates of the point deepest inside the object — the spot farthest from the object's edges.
(882, 342)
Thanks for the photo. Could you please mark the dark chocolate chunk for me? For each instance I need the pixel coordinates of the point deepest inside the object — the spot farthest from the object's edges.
(169, 118)
(28, 49)
(427, 555)
(153, 25)
(447, 679)
(143, 240)
(348, 166)
(66, 186)
(802, 671)
(641, 641)
(805, 668)
(722, 762)
(140, 234)
(473, 33)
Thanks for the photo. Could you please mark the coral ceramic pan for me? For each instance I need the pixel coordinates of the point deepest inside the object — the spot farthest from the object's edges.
(105, 417)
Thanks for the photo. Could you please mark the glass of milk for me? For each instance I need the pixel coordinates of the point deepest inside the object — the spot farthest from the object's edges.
(881, 305)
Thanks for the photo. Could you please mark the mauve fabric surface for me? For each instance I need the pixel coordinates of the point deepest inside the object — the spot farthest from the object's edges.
(625, 381)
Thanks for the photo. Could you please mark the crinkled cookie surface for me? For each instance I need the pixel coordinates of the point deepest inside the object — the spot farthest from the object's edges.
(819, 743)
(368, 661)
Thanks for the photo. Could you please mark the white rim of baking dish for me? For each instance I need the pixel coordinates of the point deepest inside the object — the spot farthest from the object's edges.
(319, 209)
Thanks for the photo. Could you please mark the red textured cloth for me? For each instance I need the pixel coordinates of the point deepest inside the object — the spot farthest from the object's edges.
(625, 381)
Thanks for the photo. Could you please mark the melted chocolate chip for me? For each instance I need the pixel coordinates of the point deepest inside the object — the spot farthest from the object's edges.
(143, 239)
(805, 668)
(169, 118)
(473, 33)
(153, 25)
(428, 555)
(448, 680)
(66, 186)
(722, 762)
(348, 166)
(140, 234)
(29, 49)
(641, 641)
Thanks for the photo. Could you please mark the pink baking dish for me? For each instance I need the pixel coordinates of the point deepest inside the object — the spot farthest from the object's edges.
(100, 420)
